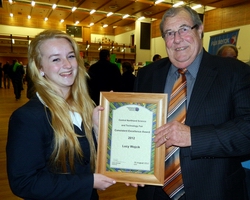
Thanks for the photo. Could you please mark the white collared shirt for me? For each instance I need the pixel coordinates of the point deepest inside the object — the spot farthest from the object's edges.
(75, 116)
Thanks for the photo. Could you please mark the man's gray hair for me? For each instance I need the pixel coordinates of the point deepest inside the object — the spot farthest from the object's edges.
(173, 11)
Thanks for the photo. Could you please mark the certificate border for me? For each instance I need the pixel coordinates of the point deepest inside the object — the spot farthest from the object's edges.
(113, 106)
(106, 98)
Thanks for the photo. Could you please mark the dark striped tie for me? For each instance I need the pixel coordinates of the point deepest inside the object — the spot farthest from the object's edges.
(173, 184)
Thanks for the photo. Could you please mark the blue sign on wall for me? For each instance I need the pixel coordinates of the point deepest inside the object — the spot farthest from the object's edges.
(216, 41)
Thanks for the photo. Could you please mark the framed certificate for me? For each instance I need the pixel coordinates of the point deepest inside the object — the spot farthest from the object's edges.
(126, 147)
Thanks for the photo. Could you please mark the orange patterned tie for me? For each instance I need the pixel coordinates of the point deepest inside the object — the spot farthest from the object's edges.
(173, 184)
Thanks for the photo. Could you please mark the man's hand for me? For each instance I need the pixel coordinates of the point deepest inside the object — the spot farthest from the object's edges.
(173, 134)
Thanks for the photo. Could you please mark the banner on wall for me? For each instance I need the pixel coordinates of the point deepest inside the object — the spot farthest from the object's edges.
(216, 41)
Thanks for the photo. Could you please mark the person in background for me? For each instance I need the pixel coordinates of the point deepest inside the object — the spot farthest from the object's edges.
(1, 75)
(104, 76)
(128, 78)
(228, 50)
(23, 78)
(51, 145)
(30, 85)
(156, 57)
(214, 135)
(17, 74)
(6, 78)
(87, 65)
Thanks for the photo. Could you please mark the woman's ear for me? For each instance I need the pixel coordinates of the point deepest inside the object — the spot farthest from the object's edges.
(41, 73)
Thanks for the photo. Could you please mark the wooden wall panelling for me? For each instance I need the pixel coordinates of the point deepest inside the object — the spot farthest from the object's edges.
(103, 31)
(86, 34)
(155, 28)
(228, 17)
(247, 15)
(232, 16)
(212, 20)
(124, 29)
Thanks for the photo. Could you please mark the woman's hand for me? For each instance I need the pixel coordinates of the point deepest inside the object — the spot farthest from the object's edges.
(134, 185)
(95, 119)
(102, 182)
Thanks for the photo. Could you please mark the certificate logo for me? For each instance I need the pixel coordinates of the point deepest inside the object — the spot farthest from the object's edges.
(133, 108)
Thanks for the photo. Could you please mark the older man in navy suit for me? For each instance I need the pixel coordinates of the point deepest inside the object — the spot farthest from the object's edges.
(216, 134)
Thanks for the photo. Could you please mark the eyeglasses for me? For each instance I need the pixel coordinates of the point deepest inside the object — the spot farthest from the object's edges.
(183, 30)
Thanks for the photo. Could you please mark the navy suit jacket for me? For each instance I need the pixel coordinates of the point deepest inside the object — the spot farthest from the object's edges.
(29, 146)
(219, 117)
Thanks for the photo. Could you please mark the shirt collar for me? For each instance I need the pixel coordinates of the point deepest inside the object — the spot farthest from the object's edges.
(192, 68)
(40, 98)
(76, 117)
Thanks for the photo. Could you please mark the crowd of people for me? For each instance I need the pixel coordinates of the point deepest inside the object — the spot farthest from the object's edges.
(13, 73)
(60, 121)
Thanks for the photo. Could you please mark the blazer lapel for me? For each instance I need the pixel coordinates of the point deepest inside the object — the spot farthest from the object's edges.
(159, 77)
(204, 80)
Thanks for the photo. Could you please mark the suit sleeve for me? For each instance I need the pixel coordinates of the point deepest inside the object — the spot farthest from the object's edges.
(28, 150)
(225, 131)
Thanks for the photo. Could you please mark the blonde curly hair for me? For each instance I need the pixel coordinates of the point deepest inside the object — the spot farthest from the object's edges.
(66, 143)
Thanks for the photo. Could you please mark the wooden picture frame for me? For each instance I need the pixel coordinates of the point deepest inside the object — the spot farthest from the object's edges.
(126, 149)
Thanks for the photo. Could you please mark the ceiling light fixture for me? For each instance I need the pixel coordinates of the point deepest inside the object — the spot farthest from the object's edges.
(92, 11)
(77, 22)
(196, 6)
(158, 1)
(91, 24)
(125, 16)
(29, 16)
(141, 18)
(53, 6)
(105, 25)
(73, 9)
(10, 1)
(33, 3)
(109, 14)
(178, 4)
(46, 19)
(11, 14)
(62, 20)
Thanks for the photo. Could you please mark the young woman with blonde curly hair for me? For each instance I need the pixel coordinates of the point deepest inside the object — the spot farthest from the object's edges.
(51, 148)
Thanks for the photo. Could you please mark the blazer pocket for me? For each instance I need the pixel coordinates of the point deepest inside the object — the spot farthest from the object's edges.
(236, 179)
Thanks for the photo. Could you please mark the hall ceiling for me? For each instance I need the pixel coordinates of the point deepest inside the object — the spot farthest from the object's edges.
(134, 8)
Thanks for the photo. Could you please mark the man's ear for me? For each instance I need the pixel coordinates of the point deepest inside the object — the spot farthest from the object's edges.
(201, 31)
